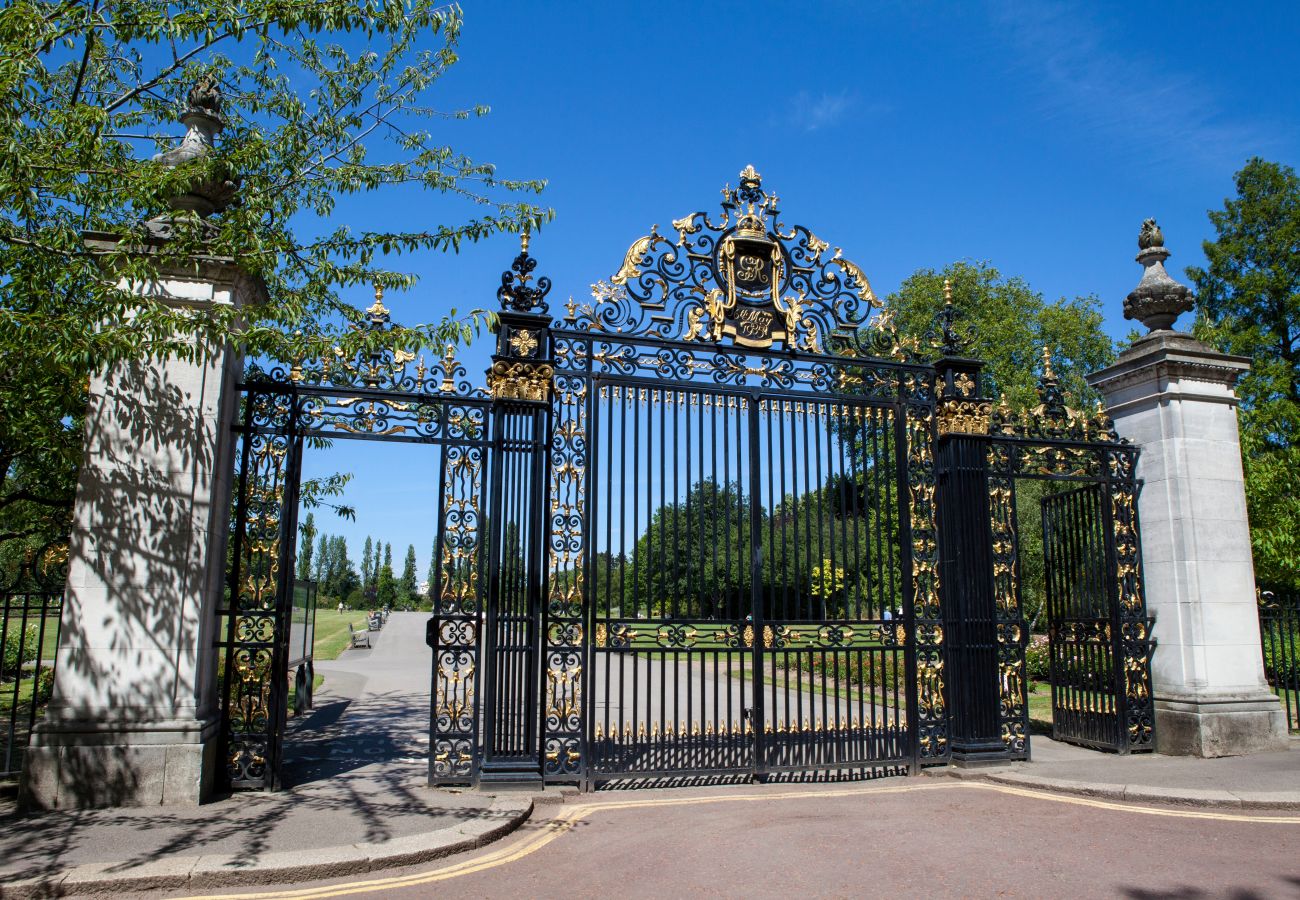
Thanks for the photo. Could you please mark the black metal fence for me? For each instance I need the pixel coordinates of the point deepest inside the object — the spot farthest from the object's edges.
(29, 636)
(1279, 637)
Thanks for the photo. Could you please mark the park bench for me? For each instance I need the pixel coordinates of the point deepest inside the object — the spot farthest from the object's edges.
(360, 636)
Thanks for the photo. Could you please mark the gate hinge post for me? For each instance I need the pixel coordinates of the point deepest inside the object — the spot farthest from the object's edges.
(976, 658)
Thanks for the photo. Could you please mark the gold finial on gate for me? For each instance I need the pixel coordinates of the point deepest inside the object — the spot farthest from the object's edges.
(1047, 362)
(377, 312)
(524, 238)
(448, 385)
(947, 291)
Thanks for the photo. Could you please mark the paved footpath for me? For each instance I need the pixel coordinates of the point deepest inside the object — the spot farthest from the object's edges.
(356, 771)
(358, 806)
(892, 838)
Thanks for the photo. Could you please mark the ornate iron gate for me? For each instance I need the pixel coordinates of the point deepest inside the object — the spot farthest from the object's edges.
(388, 396)
(1087, 656)
(742, 564)
(694, 526)
(1099, 631)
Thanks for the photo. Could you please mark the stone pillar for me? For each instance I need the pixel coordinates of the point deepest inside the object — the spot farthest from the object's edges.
(1172, 396)
(133, 716)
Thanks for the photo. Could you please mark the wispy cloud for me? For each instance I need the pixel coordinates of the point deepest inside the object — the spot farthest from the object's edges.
(1139, 98)
(812, 112)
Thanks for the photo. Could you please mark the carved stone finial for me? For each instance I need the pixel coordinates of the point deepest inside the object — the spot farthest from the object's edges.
(1158, 300)
(205, 96)
(1150, 236)
(203, 122)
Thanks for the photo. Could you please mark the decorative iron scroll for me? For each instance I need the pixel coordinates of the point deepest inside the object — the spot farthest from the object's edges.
(1052, 419)
(931, 711)
(257, 613)
(863, 378)
(1135, 641)
(1012, 711)
(747, 277)
(457, 614)
(562, 739)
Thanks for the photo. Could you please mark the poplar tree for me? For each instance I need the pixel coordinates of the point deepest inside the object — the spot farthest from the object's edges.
(408, 588)
(386, 586)
(306, 546)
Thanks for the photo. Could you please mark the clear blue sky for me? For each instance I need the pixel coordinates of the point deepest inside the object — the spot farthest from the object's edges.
(1036, 136)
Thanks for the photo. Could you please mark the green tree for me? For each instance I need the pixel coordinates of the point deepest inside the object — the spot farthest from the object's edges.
(367, 563)
(1008, 324)
(322, 561)
(1249, 304)
(306, 547)
(432, 590)
(322, 99)
(408, 586)
(385, 584)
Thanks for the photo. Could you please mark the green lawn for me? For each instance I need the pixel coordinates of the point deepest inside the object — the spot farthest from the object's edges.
(332, 631)
(24, 699)
(1040, 706)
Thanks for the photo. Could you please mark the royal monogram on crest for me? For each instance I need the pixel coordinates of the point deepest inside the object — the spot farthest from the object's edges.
(746, 277)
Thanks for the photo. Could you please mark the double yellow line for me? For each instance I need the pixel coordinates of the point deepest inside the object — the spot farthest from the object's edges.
(571, 815)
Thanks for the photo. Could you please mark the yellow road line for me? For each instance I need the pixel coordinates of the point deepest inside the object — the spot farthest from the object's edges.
(565, 821)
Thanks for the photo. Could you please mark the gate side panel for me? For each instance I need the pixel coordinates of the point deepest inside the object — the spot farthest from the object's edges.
(1085, 705)
(457, 619)
(254, 651)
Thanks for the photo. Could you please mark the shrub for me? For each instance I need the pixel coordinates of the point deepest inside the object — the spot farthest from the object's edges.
(1281, 654)
(1038, 658)
(44, 686)
(20, 648)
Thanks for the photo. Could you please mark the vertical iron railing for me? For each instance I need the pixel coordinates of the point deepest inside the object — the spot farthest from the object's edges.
(1279, 637)
(29, 636)
(1088, 696)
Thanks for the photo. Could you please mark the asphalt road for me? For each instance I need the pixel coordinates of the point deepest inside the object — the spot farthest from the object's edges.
(897, 837)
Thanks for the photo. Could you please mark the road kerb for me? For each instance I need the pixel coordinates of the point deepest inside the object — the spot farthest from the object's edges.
(503, 816)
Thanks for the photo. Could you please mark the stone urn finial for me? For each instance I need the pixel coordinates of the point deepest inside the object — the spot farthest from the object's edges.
(1158, 300)
(203, 121)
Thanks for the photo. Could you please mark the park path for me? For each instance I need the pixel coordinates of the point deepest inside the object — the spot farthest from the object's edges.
(372, 709)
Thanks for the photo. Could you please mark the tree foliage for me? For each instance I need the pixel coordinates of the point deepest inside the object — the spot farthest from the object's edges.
(323, 99)
(1007, 324)
(1249, 304)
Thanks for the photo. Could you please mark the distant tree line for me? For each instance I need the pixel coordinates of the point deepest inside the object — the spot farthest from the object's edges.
(324, 558)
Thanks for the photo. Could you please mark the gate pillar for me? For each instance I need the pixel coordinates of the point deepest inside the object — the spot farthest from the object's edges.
(1172, 396)
(520, 382)
(133, 717)
(966, 563)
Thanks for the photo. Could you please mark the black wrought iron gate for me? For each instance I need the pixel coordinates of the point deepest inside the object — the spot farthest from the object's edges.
(691, 527)
(757, 622)
(1089, 700)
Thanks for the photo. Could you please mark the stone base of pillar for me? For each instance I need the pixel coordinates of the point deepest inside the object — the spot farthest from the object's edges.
(1227, 725)
(78, 765)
